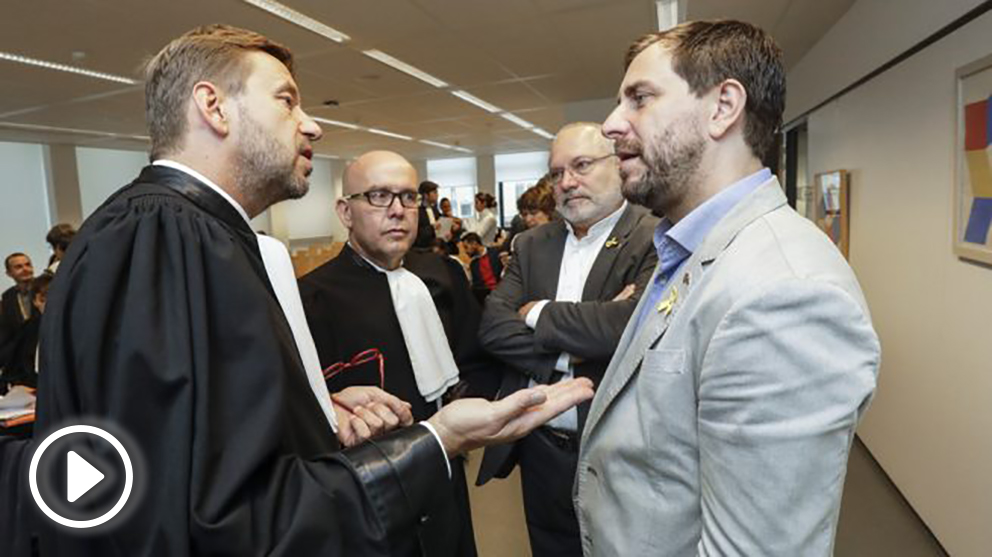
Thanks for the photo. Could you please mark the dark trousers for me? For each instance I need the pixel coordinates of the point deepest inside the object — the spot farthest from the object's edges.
(547, 470)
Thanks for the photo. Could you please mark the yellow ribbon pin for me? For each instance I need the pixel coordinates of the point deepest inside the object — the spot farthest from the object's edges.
(612, 243)
(668, 304)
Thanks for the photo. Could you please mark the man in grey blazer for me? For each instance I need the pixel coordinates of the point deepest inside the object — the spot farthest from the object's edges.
(725, 419)
(559, 310)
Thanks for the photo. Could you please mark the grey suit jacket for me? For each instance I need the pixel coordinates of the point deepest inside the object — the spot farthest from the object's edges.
(723, 426)
(589, 329)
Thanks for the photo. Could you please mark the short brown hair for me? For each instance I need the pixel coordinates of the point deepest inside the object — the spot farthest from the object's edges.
(60, 236)
(538, 198)
(705, 53)
(211, 53)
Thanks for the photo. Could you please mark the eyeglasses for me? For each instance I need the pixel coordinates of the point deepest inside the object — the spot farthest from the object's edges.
(578, 167)
(384, 198)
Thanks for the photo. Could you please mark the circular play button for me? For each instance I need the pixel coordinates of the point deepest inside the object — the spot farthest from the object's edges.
(80, 476)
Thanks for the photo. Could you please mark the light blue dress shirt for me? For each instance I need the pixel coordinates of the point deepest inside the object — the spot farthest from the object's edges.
(675, 243)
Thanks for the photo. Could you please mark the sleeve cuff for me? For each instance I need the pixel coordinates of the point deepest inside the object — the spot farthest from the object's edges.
(433, 431)
(535, 313)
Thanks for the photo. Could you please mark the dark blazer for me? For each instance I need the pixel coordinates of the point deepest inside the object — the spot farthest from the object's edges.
(425, 232)
(589, 330)
(11, 324)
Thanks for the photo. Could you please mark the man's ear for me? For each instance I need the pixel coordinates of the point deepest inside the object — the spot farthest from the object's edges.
(728, 110)
(344, 212)
(208, 102)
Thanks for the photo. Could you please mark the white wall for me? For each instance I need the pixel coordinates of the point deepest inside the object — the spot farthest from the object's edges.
(870, 34)
(313, 216)
(930, 426)
(24, 215)
(104, 171)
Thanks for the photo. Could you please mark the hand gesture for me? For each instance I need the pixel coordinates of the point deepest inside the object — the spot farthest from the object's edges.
(366, 412)
(470, 423)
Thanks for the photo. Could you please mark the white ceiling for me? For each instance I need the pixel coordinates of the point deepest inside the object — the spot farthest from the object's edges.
(536, 58)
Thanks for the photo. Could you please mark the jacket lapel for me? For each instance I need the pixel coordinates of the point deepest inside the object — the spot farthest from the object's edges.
(635, 343)
(602, 268)
(548, 267)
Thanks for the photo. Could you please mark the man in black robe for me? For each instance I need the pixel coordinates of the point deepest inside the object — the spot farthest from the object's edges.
(168, 320)
(349, 303)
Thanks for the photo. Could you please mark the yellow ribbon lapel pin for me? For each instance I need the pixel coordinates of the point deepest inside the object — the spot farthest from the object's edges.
(668, 304)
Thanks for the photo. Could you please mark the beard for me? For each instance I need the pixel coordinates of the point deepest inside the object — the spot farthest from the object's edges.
(671, 163)
(266, 172)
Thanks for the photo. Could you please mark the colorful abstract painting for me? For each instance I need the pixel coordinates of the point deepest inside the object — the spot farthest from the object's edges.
(973, 200)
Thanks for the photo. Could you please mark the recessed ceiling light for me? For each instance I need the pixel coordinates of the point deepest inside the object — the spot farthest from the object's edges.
(389, 134)
(445, 146)
(517, 120)
(469, 98)
(336, 123)
(404, 67)
(542, 133)
(297, 18)
(670, 13)
(65, 68)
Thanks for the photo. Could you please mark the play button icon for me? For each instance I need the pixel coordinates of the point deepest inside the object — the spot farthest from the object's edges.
(81, 476)
(85, 478)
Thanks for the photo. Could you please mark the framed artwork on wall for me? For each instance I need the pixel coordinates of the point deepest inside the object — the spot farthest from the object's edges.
(829, 207)
(973, 165)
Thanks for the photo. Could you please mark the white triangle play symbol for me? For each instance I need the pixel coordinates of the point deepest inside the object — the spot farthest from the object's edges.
(81, 476)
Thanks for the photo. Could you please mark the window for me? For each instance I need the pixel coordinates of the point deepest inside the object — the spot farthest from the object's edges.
(515, 173)
(456, 180)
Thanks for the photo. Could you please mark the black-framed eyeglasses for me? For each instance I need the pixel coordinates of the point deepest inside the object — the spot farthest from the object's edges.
(384, 198)
(579, 167)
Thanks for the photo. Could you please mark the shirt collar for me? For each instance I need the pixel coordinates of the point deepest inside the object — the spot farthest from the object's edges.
(183, 168)
(690, 232)
(601, 227)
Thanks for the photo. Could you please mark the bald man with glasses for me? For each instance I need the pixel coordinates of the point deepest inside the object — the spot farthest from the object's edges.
(385, 314)
(559, 312)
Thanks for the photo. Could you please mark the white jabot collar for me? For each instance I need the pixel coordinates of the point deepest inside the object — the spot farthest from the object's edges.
(434, 366)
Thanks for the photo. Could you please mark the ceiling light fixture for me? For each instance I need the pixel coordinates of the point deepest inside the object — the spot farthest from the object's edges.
(445, 146)
(336, 123)
(670, 13)
(389, 134)
(65, 68)
(404, 67)
(296, 18)
(542, 133)
(517, 120)
(469, 98)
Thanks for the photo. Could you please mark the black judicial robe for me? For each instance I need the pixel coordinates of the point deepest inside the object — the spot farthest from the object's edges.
(351, 289)
(162, 321)
(349, 310)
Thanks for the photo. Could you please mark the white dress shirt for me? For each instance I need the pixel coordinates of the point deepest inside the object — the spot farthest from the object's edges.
(576, 262)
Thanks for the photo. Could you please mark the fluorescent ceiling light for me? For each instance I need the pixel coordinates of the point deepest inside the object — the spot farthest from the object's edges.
(404, 67)
(517, 120)
(296, 18)
(542, 133)
(445, 146)
(389, 134)
(465, 96)
(670, 13)
(336, 123)
(65, 68)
